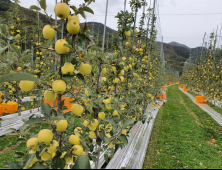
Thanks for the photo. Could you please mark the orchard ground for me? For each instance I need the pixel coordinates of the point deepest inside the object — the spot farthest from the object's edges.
(181, 136)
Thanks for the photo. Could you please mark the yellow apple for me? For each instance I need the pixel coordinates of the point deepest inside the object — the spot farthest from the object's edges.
(59, 86)
(62, 10)
(45, 136)
(73, 27)
(61, 125)
(121, 78)
(60, 48)
(116, 80)
(101, 115)
(127, 33)
(73, 17)
(103, 79)
(26, 85)
(68, 68)
(74, 140)
(48, 32)
(77, 109)
(32, 142)
(49, 95)
(85, 68)
(77, 150)
(46, 156)
(121, 73)
(103, 71)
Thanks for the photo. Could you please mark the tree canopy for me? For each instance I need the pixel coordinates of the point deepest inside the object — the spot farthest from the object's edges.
(4, 5)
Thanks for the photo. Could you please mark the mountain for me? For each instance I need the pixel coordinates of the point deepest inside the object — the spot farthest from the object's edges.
(178, 44)
(29, 20)
(175, 53)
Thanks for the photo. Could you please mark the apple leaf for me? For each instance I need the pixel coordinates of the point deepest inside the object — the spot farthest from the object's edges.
(67, 45)
(34, 7)
(83, 14)
(110, 121)
(74, 9)
(18, 77)
(43, 4)
(46, 109)
(38, 165)
(123, 139)
(127, 123)
(82, 162)
(4, 29)
(87, 9)
(80, 76)
(34, 120)
(3, 65)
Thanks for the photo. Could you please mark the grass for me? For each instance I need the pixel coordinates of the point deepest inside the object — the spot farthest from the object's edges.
(181, 136)
(7, 154)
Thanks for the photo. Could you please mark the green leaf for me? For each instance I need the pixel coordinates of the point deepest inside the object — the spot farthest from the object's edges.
(106, 158)
(46, 109)
(127, 123)
(2, 65)
(60, 163)
(34, 120)
(13, 165)
(110, 121)
(74, 9)
(34, 7)
(21, 140)
(18, 154)
(80, 76)
(18, 77)
(90, 92)
(15, 49)
(83, 14)
(43, 4)
(4, 29)
(123, 139)
(67, 45)
(26, 57)
(82, 162)
(38, 165)
(87, 9)
(2, 50)
(28, 160)
(11, 129)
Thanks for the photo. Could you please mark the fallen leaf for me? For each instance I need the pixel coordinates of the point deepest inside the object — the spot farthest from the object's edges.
(185, 166)
(201, 164)
(195, 159)
(174, 156)
(200, 145)
(178, 161)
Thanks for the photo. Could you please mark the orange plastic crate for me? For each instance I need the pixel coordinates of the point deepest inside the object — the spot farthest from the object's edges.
(12, 107)
(180, 86)
(1, 109)
(184, 89)
(164, 96)
(163, 88)
(201, 99)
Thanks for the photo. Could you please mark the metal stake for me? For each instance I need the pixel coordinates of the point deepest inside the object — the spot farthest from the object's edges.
(104, 32)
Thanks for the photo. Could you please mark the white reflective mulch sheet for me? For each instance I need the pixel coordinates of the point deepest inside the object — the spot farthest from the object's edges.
(215, 115)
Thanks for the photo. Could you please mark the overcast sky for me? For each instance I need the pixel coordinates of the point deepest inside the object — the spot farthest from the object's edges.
(185, 29)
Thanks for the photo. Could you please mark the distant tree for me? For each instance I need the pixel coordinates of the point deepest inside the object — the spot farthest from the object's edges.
(4, 5)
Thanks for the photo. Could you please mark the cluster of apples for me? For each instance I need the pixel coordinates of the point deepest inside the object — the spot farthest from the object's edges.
(62, 10)
(46, 136)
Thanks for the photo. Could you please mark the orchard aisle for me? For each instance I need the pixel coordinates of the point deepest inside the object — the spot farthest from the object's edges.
(182, 136)
(216, 116)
